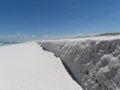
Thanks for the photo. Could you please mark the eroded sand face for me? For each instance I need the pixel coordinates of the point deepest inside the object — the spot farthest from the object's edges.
(93, 62)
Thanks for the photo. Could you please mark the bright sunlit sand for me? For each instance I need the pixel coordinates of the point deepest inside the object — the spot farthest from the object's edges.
(27, 67)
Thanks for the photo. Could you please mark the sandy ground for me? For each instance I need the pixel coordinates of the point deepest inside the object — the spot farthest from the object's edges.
(95, 38)
(27, 67)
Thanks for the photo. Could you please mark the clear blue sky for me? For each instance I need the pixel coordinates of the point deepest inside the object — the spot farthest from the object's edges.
(59, 17)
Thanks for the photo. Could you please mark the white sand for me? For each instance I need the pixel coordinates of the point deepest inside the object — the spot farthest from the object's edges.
(95, 38)
(27, 67)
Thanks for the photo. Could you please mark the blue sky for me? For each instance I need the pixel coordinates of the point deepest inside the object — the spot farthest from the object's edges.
(59, 17)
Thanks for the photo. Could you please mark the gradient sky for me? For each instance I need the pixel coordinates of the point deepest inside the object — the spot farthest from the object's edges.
(59, 17)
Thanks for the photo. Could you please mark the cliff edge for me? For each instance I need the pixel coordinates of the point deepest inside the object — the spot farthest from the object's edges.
(94, 63)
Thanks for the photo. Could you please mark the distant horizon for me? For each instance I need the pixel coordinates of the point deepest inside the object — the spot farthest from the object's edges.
(75, 34)
(19, 35)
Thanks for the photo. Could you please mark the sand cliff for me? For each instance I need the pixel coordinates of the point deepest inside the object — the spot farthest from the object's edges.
(93, 63)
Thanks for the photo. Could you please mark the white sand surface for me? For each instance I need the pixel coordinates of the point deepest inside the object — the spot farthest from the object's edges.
(95, 38)
(27, 67)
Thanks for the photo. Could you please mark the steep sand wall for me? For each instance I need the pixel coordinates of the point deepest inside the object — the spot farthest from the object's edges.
(95, 65)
